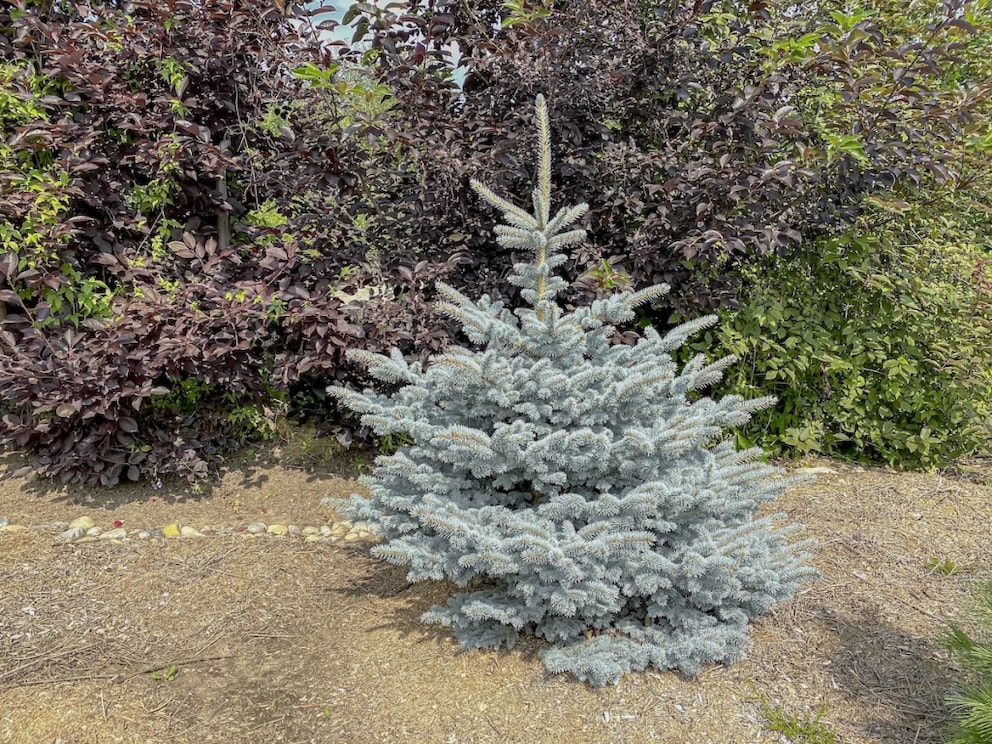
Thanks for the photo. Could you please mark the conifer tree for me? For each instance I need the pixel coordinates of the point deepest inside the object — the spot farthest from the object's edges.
(576, 490)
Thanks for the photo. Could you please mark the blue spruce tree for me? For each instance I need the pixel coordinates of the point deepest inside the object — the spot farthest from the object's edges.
(578, 491)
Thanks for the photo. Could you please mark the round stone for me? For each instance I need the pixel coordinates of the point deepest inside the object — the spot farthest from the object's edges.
(340, 529)
(187, 531)
(84, 522)
(53, 527)
(143, 534)
(295, 531)
(73, 533)
(257, 528)
(325, 530)
(278, 529)
(94, 532)
(309, 531)
(351, 537)
(115, 534)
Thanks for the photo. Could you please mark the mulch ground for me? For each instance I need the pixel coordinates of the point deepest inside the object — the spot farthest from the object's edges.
(234, 639)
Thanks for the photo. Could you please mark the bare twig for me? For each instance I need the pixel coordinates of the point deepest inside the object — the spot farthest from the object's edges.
(104, 677)
(35, 660)
(120, 678)
(919, 609)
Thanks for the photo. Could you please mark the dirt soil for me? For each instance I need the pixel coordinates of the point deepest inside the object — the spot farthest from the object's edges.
(233, 639)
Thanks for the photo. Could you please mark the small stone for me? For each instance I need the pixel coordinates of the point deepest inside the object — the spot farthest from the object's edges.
(73, 533)
(277, 529)
(84, 522)
(295, 531)
(143, 534)
(171, 530)
(331, 540)
(816, 471)
(361, 527)
(312, 538)
(12, 528)
(351, 537)
(155, 534)
(308, 531)
(325, 530)
(190, 532)
(94, 532)
(340, 529)
(114, 534)
(257, 528)
(4, 521)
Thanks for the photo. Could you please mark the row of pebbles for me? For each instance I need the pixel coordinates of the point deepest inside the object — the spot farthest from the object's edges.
(83, 530)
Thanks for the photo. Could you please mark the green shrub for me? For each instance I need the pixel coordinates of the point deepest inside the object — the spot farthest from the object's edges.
(802, 729)
(34, 228)
(877, 350)
(973, 704)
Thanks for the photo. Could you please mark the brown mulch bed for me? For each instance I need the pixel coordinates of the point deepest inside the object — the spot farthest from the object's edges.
(233, 639)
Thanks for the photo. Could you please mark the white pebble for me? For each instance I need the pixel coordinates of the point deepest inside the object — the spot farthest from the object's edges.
(73, 533)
